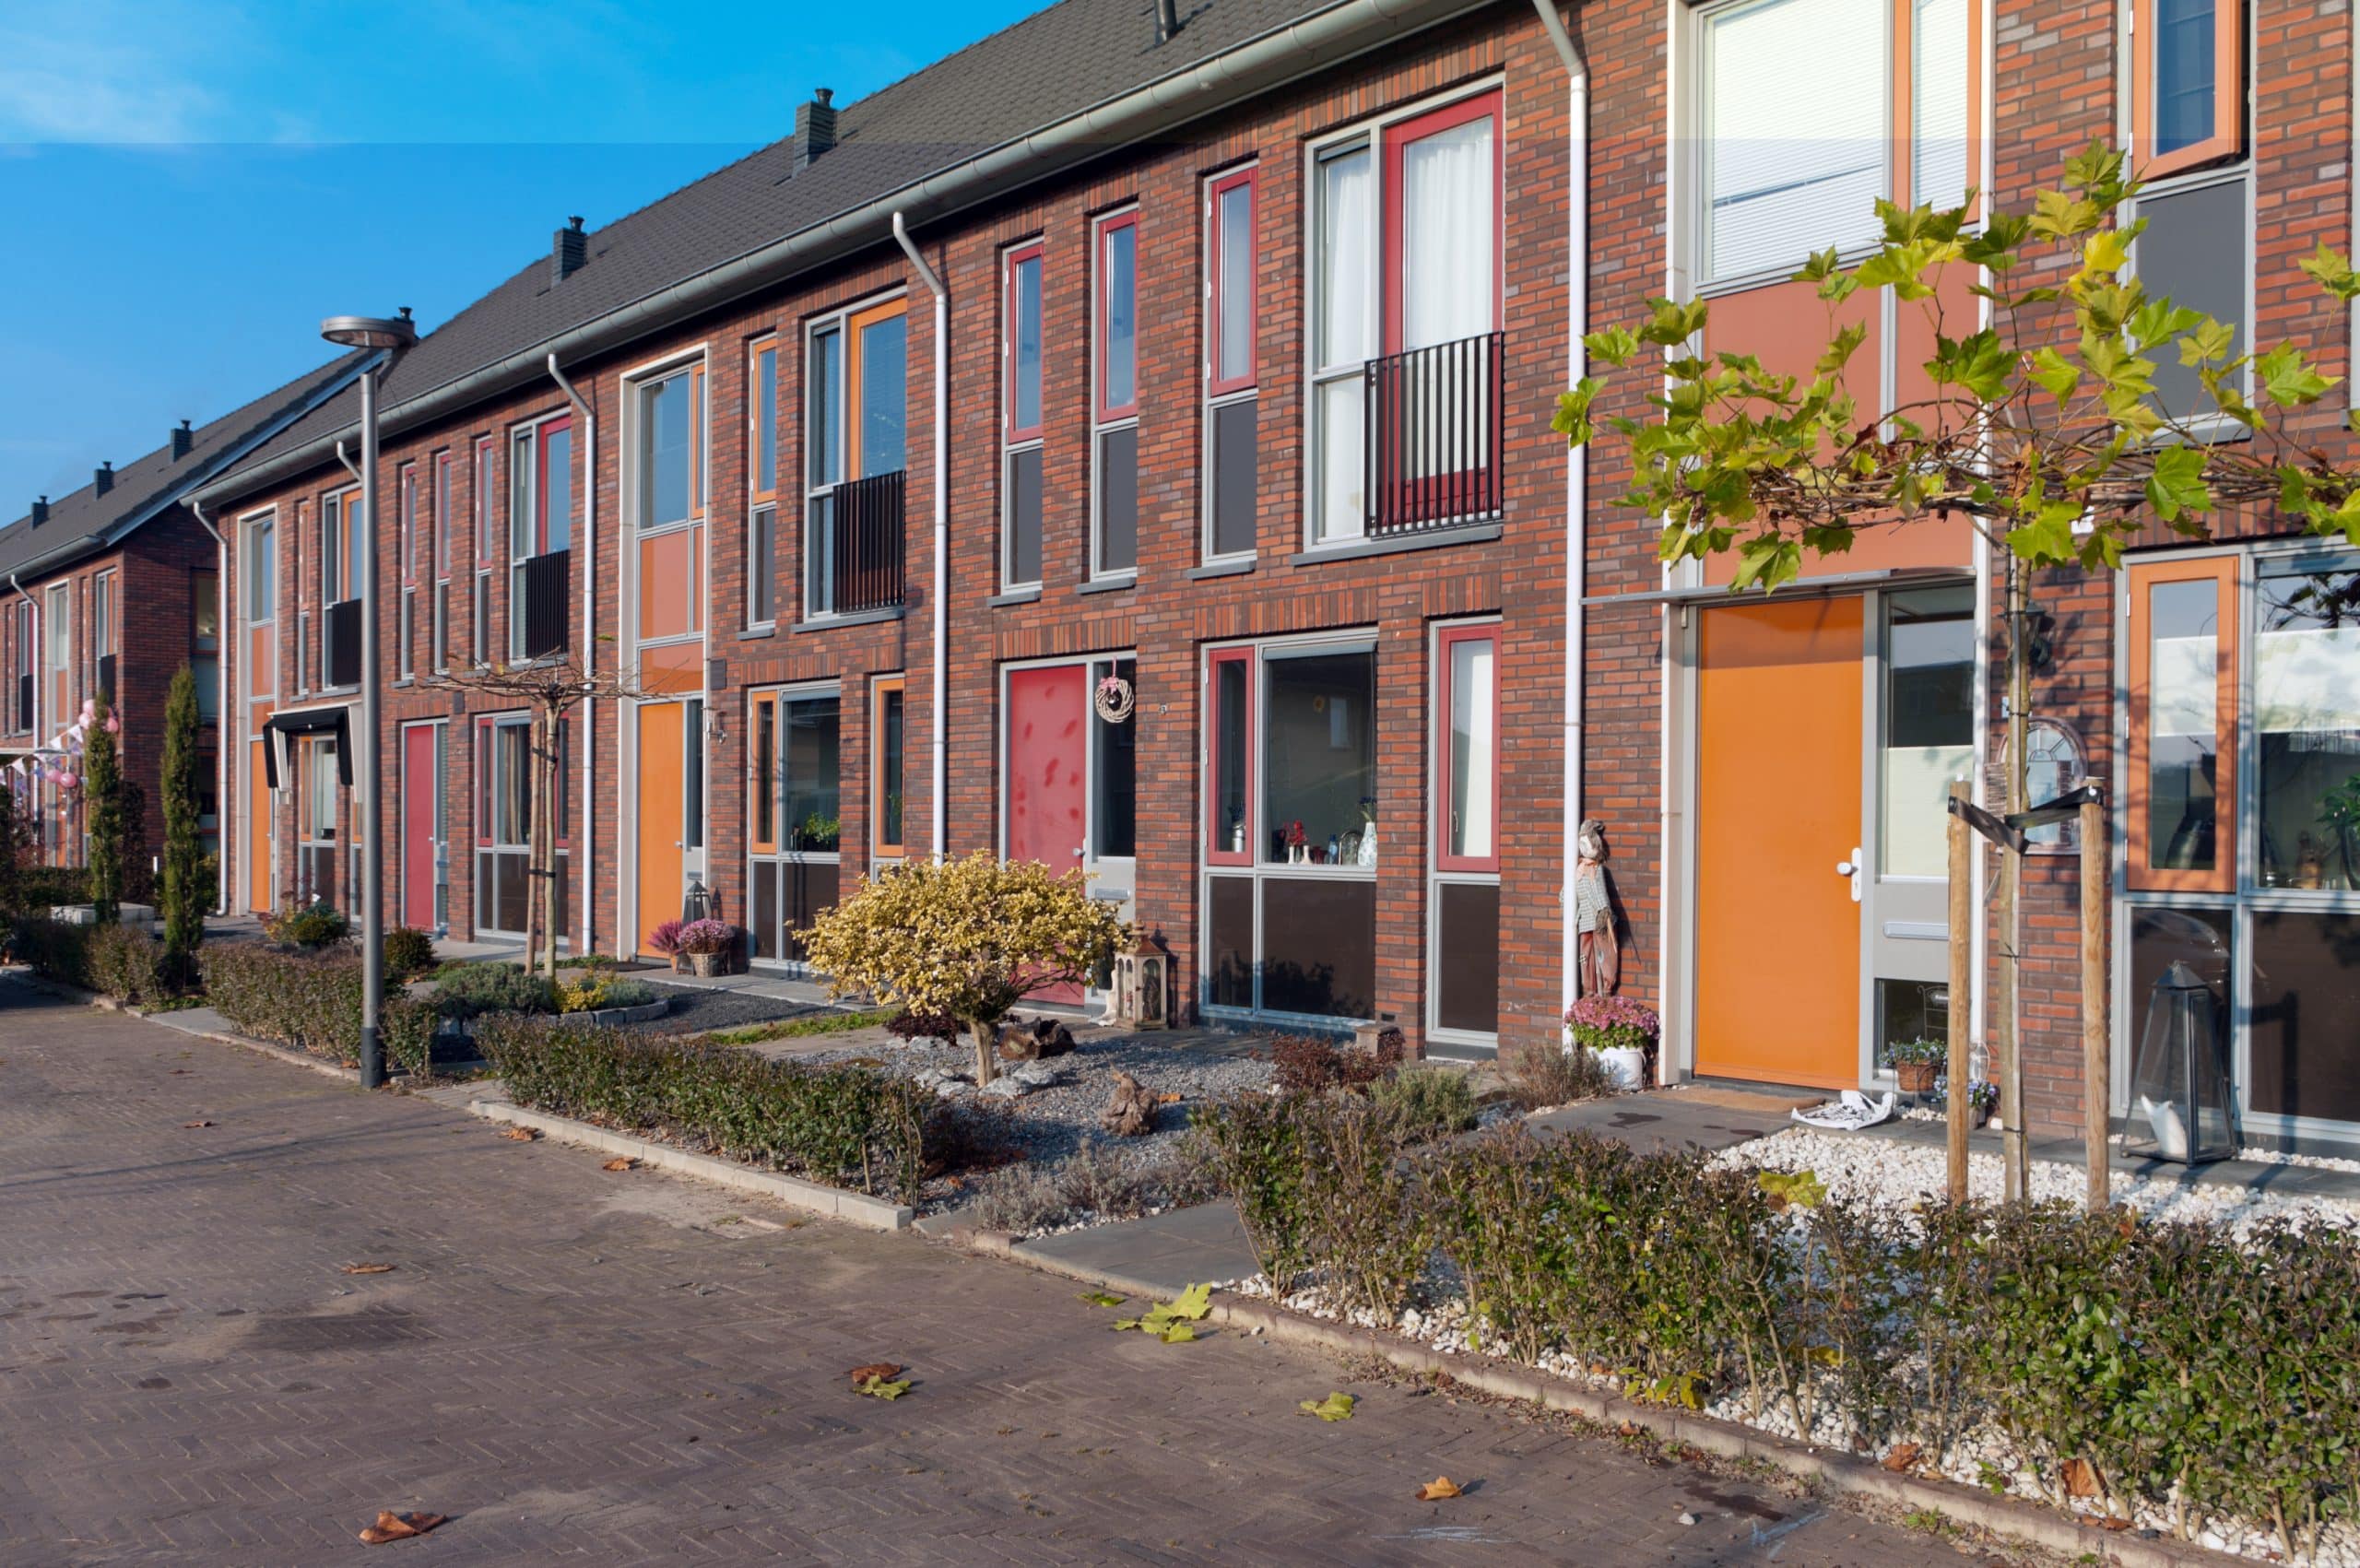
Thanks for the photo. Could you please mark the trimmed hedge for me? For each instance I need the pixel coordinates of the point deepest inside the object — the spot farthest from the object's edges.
(845, 1125)
(2205, 1372)
(312, 1002)
(121, 962)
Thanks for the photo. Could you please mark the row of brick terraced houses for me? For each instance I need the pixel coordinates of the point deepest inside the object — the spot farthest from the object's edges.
(1204, 367)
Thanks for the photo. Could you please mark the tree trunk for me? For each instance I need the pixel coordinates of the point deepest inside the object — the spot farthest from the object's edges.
(985, 1032)
(548, 818)
(2009, 1065)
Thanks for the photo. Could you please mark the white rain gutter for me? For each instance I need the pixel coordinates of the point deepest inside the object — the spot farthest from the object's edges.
(1576, 472)
(348, 466)
(589, 641)
(941, 521)
(222, 705)
(1301, 48)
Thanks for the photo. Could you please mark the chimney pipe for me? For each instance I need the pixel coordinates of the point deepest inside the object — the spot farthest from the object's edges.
(40, 511)
(569, 249)
(1167, 20)
(815, 127)
(183, 441)
(102, 479)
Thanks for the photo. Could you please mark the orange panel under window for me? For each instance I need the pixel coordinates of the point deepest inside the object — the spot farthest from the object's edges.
(667, 584)
(675, 666)
(2183, 746)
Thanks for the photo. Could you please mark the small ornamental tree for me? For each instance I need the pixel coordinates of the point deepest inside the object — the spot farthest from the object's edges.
(14, 836)
(967, 938)
(184, 894)
(2045, 429)
(102, 801)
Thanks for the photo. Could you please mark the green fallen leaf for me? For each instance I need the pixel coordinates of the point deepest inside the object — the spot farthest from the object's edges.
(1177, 1334)
(877, 1387)
(1194, 1304)
(1099, 1298)
(1168, 1321)
(1335, 1408)
(1123, 1323)
(1801, 1188)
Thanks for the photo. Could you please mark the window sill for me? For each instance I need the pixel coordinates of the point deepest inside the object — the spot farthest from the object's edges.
(1014, 596)
(1435, 538)
(756, 633)
(1220, 568)
(860, 618)
(1110, 585)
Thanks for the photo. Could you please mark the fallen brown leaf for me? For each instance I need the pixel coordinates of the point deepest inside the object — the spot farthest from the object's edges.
(620, 1162)
(886, 1370)
(2111, 1523)
(367, 1268)
(1437, 1488)
(520, 1135)
(1902, 1457)
(391, 1525)
(1169, 1097)
(2080, 1477)
(197, 1124)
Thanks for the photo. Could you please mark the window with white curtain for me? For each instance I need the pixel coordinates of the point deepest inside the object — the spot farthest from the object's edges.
(1942, 133)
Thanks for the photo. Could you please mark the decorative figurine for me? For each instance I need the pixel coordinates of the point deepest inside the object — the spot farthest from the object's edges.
(1600, 959)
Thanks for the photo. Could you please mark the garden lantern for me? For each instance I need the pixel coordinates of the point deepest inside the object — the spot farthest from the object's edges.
(697, 903)
(1142, 978)
(2182, 1105)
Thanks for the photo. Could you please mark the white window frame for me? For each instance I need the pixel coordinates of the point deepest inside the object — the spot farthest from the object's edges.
(1437, 684)
(836, 323)
(1209, 235)
(1100, 333)
(696, 363)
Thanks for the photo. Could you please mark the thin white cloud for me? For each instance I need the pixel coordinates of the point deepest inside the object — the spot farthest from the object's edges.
(108, 71)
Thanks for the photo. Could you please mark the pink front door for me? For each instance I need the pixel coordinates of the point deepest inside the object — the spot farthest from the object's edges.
(1047, 774)
(421, 791)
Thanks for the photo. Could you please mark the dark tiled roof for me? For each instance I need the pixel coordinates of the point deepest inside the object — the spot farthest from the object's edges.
(156, 479)
(1051, 65)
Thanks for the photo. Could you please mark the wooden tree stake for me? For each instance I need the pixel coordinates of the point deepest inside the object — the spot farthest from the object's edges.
(2097, 1032)
(1962, 993)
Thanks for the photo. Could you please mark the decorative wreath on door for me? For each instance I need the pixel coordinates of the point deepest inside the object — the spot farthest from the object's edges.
(1113, 700)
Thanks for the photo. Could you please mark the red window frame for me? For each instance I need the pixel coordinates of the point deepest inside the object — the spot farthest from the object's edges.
(1447, 641)
(443, 513)
(1011, 299)
(1217, 852)
(1217, 305)
(1396, 138)
(1101, 312)
(540, 433)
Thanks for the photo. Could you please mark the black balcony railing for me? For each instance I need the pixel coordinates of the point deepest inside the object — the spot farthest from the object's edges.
(106, 677)
(543, 588)
(1433, 436)
(25, 700)
(343, 658)
(867, 517)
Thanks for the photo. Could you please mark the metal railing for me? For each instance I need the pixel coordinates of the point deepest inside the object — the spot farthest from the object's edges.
(341, 660)
(544, 583)
(1433, 435)
(867, 519)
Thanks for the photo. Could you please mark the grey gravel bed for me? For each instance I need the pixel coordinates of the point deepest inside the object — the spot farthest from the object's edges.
(696, 1008)
(1050, 1124)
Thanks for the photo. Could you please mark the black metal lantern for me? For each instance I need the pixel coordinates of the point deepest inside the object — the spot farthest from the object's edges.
(2183, 1102)
(698, 903)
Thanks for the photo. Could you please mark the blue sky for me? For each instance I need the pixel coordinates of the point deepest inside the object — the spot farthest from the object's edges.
(189, 187)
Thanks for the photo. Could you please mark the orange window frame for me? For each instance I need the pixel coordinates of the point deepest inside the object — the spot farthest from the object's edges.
(882, 847)
(761, 781)
(762, 433)
(1905, 83)
(2227, 139)
(2141, 876)
(855, 355)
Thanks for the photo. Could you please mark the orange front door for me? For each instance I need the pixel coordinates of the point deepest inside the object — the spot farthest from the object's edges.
(660, 820)
(1778, 726)
(258, 891)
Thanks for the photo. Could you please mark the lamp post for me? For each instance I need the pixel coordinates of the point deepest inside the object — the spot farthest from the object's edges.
(391, 334)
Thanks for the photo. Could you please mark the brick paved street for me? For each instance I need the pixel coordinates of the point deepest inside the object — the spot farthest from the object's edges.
(595, 1367)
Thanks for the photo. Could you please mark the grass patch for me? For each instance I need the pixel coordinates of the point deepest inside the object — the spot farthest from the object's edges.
(799, 1028)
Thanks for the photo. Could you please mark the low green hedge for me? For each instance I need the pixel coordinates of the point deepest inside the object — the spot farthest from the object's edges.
(121, 962)
(847, 1125)
(312, 1002)
(2205, 1372)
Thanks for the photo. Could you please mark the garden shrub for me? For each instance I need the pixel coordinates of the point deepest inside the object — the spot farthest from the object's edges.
(1425, 1103)
(1097, 1181)
(406, 1027)
(1254, 1146)
(408, 954)
(40, 889)
(908, 1025)
(311, 1001)
(55, 950)
(1304, 1064)
(1541, 1076)
(1366, 1229)
(309, 927)
(128, 964)
(594, 993)
(470, 989)
(845, 1125)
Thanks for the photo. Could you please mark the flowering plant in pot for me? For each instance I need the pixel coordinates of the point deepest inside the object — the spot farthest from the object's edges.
(706, 942)
(665, 939)
(1619, 1031)
(1982, 1098)
(1917, 1063)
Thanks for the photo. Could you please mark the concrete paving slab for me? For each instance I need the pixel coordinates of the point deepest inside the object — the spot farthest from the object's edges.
(1166, 1252)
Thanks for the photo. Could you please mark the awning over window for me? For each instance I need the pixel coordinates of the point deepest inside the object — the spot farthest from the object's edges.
(333, 721)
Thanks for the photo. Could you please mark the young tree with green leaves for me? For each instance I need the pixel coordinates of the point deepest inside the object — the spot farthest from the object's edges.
(102, 805)
(184, 893)
(2045, 429)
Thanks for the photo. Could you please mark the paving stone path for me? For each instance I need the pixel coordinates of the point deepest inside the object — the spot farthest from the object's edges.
(581, 1366)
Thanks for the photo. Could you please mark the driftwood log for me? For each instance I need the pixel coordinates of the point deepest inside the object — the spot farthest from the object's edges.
(1031, 1043)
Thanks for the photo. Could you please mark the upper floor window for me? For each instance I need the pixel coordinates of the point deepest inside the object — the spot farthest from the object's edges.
(1779, 185)
(1232, 416)
(2187, 101)
(671, 448)
(102, 614)
(261, 570)
(1020, 471)
(20, 640)
(57, 621)
(540, 490)
(1407, 307)
(341, 542)
(856, 453)
(762, 482)
(1114, 364)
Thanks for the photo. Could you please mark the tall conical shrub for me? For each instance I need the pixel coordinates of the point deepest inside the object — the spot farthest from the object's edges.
(186, 895)
(102, 809)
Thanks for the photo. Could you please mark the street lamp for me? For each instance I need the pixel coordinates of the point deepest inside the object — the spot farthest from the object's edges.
(391, 334)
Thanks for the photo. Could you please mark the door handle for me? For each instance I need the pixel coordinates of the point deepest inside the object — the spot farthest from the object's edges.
(1851, 868)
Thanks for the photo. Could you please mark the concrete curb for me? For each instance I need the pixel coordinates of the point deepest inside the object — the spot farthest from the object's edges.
(292, 1057)
(1840, 1474)
(857, 1209)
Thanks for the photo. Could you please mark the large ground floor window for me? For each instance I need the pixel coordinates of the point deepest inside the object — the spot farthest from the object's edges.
(793, 804)
(1463, 897)
(503, 825)
(1290, 845)
(322, 870)
(2242, 805)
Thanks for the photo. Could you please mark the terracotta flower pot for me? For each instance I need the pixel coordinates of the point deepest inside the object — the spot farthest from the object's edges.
(1917, 1077)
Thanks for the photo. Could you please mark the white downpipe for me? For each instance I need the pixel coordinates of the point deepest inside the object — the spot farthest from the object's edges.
(39, 644)
(941, 521)
(1576, 474)
(589, 651)
(222, 705)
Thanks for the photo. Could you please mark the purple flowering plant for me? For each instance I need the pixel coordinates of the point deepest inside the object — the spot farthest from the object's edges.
(1607, 1023)
(708, 936)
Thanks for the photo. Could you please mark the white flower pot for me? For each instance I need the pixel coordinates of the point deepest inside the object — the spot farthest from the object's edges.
(1625, 1066)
